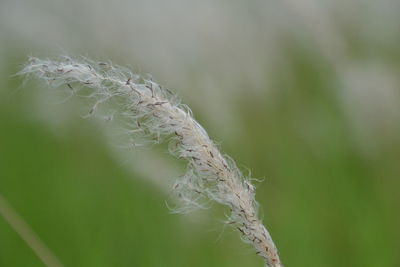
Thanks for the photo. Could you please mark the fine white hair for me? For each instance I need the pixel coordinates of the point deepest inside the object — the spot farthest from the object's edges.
(153, 113)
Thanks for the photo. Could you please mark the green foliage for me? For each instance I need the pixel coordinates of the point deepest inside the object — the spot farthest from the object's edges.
(325, 202)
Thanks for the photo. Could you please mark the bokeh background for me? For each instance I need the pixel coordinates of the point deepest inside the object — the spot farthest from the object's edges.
(305, 93)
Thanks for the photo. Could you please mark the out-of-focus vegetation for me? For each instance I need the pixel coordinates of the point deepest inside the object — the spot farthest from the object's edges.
(305, 94)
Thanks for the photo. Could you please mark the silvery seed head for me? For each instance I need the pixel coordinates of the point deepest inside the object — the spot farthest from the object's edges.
(153, 113)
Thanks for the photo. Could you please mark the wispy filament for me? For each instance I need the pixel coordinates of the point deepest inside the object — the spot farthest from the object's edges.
(154, 112)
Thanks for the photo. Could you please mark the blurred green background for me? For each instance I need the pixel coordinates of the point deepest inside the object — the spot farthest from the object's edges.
(305, 93)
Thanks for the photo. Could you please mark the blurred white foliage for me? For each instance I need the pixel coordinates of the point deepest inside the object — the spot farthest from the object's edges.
(371, 97)
(221, 49)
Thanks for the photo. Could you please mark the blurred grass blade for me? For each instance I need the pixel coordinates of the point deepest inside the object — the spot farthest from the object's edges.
(27, 234)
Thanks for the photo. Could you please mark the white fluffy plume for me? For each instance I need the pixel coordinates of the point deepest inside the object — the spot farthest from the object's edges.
(153, 113)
